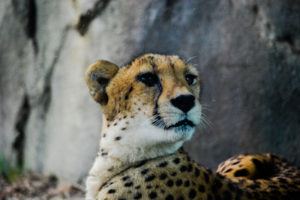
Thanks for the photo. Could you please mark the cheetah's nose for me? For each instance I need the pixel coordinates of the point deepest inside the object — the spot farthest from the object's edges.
(184, 102)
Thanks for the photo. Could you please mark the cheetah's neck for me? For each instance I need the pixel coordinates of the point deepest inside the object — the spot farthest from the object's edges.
(121, 149)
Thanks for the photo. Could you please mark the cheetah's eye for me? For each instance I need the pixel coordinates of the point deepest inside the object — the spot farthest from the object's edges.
(190, 79)
(148, 79)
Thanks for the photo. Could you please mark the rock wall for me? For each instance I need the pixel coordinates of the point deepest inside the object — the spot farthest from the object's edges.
(247, 52)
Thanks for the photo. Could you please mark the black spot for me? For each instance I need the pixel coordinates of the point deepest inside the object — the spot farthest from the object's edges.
(220, 176)
(255, 185)
(144, 171)
(258, 164)
(187, 183)
(111, 191)
(137, 196)
(223, 168)
(104, 154)
(183, 168)
(149, 186)
(201, 188)
(206, 177)
(170, 183)
(118, 138)
(192, 194)
(282, 180)
(150, 178)
(188, 158)
(115, 124)
(172, 65)
(162, 191)
(236, 162)
(197, 172)
(104, 135)
(121, 199)
(128, 184)
(178, 182)
(190, 168)
(152, 62)
(173, 174)
(169, 197)
(228, 170)
(137, 187)
(209, 197)
(163, 164)
(180, 198)
(128, 93)
(216, 185)
(152, 195)
(241, 172)
(123, 129)
(124, 178)
(176, 160)
(163, 176)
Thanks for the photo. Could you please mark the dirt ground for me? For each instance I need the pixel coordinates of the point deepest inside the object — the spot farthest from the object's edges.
(37, 187)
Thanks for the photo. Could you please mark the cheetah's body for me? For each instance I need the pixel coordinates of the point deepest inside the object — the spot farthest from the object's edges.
(177, 177)
(150, 109)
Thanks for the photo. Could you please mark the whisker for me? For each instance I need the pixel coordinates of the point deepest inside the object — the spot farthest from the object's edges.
(190, 59)
(205, 122)
(205, 107)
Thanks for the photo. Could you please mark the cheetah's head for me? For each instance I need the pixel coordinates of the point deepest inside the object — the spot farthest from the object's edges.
(152, 101)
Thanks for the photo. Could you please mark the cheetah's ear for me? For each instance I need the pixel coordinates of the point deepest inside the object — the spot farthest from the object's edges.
(97, 78)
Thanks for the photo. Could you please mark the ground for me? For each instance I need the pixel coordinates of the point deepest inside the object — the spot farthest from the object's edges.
(33, 186)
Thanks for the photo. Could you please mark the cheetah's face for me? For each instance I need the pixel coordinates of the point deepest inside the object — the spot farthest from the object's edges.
(155, 93)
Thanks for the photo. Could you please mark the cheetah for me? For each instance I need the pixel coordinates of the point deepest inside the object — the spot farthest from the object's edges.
(150, 108)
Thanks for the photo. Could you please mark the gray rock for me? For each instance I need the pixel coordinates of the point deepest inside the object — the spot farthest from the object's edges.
(247, 53)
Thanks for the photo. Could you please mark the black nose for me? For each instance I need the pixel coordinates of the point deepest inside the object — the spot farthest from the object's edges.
(184, 102)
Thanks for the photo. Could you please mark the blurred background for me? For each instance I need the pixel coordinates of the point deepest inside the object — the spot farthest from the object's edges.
(247, 52)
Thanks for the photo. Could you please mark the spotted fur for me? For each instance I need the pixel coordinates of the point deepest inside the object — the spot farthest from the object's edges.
(151, 107)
